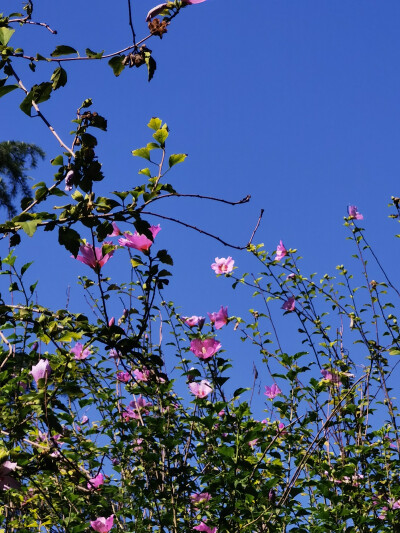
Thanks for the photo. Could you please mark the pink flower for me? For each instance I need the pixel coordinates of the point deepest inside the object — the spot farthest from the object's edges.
(85, 419)
(272, 391)
(201, 390)
(139, 241)
(6, 481)
(41, 371)
(280, 251)
(353, 212)
(253, 443)
(204, 527)
(96, 482)
(200, 497)
(194, 320)
(141, 375)
(111, 322)
(190, 2)
(290, 304)
(136, 409)
(223, 266)
(222, 413)
(281, 427)
(116, 231)
(155, 11)
(103, 525)
(113, 353)
(204, 349)
(94, 257)
(220, 318)
(330, 376)
(79, 352)
(124, 377)
(69, 180)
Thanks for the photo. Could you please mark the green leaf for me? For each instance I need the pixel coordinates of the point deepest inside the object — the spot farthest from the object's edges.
(15, 239)
(38, 93)
(161, 136)
(29, 226)
(146, 172)
(59, 78)
(94, 55)
(174, 159)
(116, 63)
(151, 64)
(5, 35)
(135, 262)
(394, 351)
(7, 89)
(25, 267)
(155, 123)
(142, 152)
(63, 50)
(88, 140)
(164, 257)
(69, 238)
(57, 161)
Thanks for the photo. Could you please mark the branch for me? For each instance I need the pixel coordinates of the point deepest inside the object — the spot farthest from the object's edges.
(26, 20)
(130, 22)
(206, 232)
(178, 195)
(39, 114)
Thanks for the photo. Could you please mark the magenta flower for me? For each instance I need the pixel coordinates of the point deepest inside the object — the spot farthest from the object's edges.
(220, 318)
(94, 257)
(330, 376)
(290, 304)
(204, 349)
(138, 241)
(201, 390)
(79, 352)
(200, 497)
(136, 409)
(103, 525)
(6, 481)
(223, 266)
(280, 251)
(111, 322)
(124, 377)
(204, 527)
(353, 212)
(116, 231)
(96, 482)
(190, 2)
(272, 391)
(194, 320)
(141, 375)
(42, 370)
(114, 354)
(253, 443)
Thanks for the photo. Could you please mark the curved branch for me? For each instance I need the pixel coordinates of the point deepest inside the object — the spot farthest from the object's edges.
(178, 195)
(26, 20)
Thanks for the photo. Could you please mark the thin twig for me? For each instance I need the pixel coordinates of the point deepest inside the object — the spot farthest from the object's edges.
(200, 196)
(130, 22)
(25, 20)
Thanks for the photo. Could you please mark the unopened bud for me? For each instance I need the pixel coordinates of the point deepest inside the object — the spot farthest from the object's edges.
(111, 322)
(69, 180)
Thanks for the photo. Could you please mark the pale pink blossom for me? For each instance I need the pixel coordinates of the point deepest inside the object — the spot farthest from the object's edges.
(137, 409)
(103, 525)
(223, 266)
(202, 389)
(194, 320)
(96, 482)
(280, 251)
(290, 304)
(193, 1)
(111, 322)
(94, 257)
(205, 528)
(155, 11)
(353, 212)
(114, 354)
(85, 420)
(328, 375)
(220, 318)
(253, 443)
(141, 375)
(124, 377)
(138, 446)
(42, 370)
(7, 481)
(200, 497)
(292, 275)
(139, 241)
(80, 352)
(272, 391)
(222, 413)
(69, 180)
(204, 349)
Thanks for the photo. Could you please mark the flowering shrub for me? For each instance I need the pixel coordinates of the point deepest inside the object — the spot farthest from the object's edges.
(149, 434)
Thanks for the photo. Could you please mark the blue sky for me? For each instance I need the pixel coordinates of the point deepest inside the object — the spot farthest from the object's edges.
(295, 103)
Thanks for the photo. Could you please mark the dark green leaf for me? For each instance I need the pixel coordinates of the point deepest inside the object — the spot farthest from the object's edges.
(69, 238)
(63, 50)
(38, 93)
(151, 64)
(116, 63)
(15, 239)
(7, 89)
(59, 78)
(94, 55)
(57, 161)
(164, 257)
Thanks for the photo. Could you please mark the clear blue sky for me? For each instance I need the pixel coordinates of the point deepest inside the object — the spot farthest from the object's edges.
(295, 103)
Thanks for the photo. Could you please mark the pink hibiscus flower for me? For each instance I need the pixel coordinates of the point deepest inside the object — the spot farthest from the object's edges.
(194, 320)
(272, 391)
(139, 241)
(353, 212)
(79, 352)
(42, 370)
(103, 525)
(290, 304)
(204, 349)
(204, 527)
(94, 257)
(220, 318)
(200, 497)
(96, 482)
(201, 390)
(223, 266)
(280, 251)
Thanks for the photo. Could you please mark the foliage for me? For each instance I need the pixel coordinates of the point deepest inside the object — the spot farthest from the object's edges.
(92, 423)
